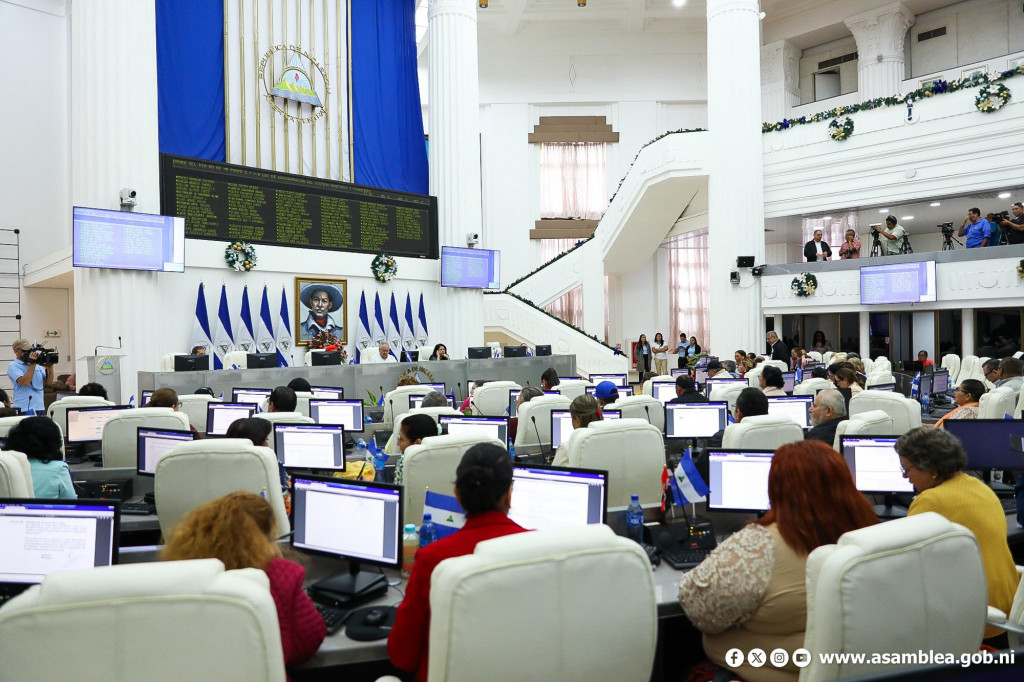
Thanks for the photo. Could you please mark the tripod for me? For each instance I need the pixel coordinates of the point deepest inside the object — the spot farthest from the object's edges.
(947, 242)
(876, 244)
(905, 246)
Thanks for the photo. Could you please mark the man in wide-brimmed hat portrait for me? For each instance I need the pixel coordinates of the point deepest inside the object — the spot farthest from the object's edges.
(320, 299)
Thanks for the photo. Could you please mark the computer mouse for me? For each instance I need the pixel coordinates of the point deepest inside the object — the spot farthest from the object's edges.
(375, 616)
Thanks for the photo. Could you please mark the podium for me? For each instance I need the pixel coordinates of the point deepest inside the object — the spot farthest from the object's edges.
(105, 370)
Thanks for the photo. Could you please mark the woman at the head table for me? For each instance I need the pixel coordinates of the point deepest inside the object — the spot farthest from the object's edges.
(483, 486)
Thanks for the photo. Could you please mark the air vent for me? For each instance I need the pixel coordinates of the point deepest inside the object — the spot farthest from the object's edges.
(934, 33)
(836, 61)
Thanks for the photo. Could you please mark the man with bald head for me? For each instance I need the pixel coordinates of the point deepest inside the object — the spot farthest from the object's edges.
(383, 354)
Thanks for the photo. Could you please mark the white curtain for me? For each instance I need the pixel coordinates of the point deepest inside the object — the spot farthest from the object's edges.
(833, 231)
(573, 181)
(568, 307)
(688, 281)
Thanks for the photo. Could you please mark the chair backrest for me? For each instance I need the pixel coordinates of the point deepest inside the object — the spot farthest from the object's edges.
(969, 369)
(138, 621)
(167, 361)
(905, 413)
(869, 365)
(15, 475)
(997, 403)
(661, 377)
(432, 464)
(826, 357)
(811, 386)
(761, 432)
(727, 393)
(595, 589)
(202, 470)
(58, 409)
(871, 423)
(752, 375)
(572, 389)
(396, 402)
(782, 366)
(8, 423)
(391, 447)
(236, 359)
(194, 406)
(302, 402)
(951, 362)
(632, 407)
(538, 409)
(882, 363)
(878, 378)
(938, 603)
(630, 450)
(814, 355)
(491, 399)
(121, 435)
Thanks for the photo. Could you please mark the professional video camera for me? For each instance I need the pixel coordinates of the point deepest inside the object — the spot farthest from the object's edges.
(947, 229)
(47, 356)
(1002, 215)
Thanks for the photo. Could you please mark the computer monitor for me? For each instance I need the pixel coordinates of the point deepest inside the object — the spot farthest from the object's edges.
(809, 366)
(356, 520)
(43, 536)
(738, 480)
(695, 420)
(561, 425)
(788, 381)
(146, 395)
(489, 427)
(622, 390)
(256, 396)
(563, 380)
(85, 424)
(924, 385)
(891, 388)
(310, 446)
(874, 464)
(712, 383)
(347, 413)
(913, 366)
(515, 351)
(479, 352)
(324, 358)
(940, 381)
(663, 391)
(617, 379)
(987, 442)
(679, 372)
(327, 392)
(261, 360)
(547, 498)
(191, 363)
(219, 416)
(513, 398)
(543, 349)
(439, 387)
(154, 444)
(416, 401)
(700, 374)
(795, 407)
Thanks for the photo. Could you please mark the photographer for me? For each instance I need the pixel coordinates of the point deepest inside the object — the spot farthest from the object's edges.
(28, 376)
(1013, 228)
(850, 248)
(976, 229)
(892, 234)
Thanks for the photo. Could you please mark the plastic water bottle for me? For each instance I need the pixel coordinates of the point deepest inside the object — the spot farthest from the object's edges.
(635, 520)
(427, 531)
(926, 403)
(511, 449)
(410, 543)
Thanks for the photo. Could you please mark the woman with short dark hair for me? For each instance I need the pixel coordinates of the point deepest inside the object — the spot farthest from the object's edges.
(968, 400)
(40, 440)
(413, 429)
(584, 411)
(771, 381)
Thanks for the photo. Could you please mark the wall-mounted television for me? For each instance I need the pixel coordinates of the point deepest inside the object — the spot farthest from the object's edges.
(122, 240)
(470, 268)
(898, 283)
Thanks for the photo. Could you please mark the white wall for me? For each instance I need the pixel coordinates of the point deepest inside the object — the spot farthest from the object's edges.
(976, 30)
(811, 57)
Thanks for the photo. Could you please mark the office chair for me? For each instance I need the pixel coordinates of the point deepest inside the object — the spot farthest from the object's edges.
(194, 406)
(633, 407)
(905, 412)
(391, 447)
(760, 432)
(534, 432)
(873, 423)
(646, 388)
(630, 450)
(432, 464)
(573, 389)
(15, 475)
(491, 399)
(998, 402)
(1013, 622)
(396, 402)
(121, 432)
(811, 386)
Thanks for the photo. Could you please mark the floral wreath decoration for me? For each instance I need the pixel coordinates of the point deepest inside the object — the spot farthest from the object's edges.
(804, 284)
(240, 256)
(992, 97)
(1020, 269)
(841, 128)
(384, 267)
(325, 340)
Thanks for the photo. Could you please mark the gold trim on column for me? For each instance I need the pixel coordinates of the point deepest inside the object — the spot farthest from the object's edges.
(327, 95)
(312, 49)
(227, 93)
(241, 72)
(256, 70)
(273, 118)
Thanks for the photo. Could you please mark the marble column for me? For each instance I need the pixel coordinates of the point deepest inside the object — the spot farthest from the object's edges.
(780, 79)
(736, 182)
(880, 34)
(864, 328)
(454, 129)
(967, 333)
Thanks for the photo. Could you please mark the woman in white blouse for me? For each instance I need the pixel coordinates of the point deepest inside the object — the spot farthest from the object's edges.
(749, 593)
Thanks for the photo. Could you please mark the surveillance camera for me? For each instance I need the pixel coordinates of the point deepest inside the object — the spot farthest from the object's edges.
(128, 197)
(472, 238)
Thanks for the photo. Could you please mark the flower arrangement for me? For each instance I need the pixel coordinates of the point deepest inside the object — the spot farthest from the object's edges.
(1020, 269)
(384, 267)
(240, 256)
(325, 340)
(841, 128)
(804, 284)
(992, 97)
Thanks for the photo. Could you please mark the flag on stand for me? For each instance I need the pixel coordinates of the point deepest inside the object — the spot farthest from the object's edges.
(408, 326)
(687, 485)
(378, 330)
(422, 334)
(244, 337)
(283, 334)
(265, 341)
(223, 341)
(394, 329)
(445, 512)
(364, 338)
(201, 325)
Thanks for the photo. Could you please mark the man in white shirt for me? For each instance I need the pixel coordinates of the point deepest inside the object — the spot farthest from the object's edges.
(892, 236)
(382, 355)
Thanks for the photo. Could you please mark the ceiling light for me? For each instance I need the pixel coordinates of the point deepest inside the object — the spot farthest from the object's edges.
(883, 210)
(935, 203)
(1005, 195)
(907, 217)
(678, 3)
(826, 217)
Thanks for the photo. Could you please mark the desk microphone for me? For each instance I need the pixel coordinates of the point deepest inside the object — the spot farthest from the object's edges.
(540, 444)
(472, 406)
(647, 409)
(459, 384)
(381, 394)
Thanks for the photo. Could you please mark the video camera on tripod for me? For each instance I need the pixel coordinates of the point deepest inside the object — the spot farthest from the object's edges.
(947, 236)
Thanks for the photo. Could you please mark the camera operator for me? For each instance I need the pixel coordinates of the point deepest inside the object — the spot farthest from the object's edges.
(977, 229)
(28, 376)
(1013, 228)
(892, 234)
(850, 248)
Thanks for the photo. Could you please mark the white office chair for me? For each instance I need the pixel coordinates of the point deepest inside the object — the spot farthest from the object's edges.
(302, 402)
(1013, 622)
(163, 621)
(432, 464)
(641, 407)
(761, 432)
(998, 402)
(951, 363)
(814, 355)
(534, 432)
(8, 423)
(391, 447)
(167, 361)
(938, 603)
(661, 377)
(593, 589)
(826, 358)
(869, 365)
(630, 450)
(782, 366)
(203, 470)
(491, 399)
(882, 363)
(236, 359)
(753, 376)
(58, 410)
(396, 402)
(970, 368)
(873, 423)
(905, 413)
(121, 432)
(727, 394)
(195, 408)
(879, 378)
(812, 386)
(15, 475)
(573, 389)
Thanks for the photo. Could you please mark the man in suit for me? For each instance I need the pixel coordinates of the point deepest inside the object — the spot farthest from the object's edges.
(828, 410)
(816, 249)
(776, 348)
(686, 391)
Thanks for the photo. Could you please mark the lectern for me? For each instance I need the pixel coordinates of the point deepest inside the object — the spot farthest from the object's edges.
(105, 370)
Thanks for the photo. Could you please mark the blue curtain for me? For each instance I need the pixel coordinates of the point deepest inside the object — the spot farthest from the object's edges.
(387, 120)
(190, 73)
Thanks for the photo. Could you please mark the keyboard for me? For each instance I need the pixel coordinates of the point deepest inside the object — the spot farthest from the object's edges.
(138, 508)
(1009, 504)
(683, 558)
(333, 617)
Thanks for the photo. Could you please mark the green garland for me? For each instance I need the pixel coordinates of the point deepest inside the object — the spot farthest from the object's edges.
(544, 265)
(664, 134)
(553, 317)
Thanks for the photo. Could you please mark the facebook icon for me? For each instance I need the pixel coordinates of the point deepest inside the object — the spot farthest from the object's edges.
(734, 657)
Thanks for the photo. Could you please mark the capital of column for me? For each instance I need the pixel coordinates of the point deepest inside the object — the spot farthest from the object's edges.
(880, 32)
(466, 8)
(780, 63)
(717, 9)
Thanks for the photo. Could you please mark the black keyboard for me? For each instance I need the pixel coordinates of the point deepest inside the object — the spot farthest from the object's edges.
(1009, 504)
(333, 617)
(138, 508)
(684, 558)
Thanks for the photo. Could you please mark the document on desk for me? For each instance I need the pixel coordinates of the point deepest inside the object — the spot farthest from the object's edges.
(34, 546)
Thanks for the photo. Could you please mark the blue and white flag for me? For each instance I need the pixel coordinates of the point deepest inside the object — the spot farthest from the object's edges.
(283, 334)
(422, 334)
(201, 325)
(265, 341)
(915, 385)
(378, 330)
(394, 328)
(799, 373)
(687, 485)
(445, 511)
(223, 341)
(244, 337)
(408, 326)
(364, 338)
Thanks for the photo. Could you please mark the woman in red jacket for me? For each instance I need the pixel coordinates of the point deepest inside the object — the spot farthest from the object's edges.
(483, 486)
(239, 530)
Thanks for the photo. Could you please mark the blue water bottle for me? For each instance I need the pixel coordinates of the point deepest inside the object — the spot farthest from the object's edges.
(427, 531)
(635, 520)
(926, 403)
(511, 449)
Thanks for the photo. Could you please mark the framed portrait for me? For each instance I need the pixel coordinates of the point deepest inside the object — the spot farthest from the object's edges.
(320, 304)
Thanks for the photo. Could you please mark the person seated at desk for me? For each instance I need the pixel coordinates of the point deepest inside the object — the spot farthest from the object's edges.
(583, 410)
(300, 385)
(525, 396)
(828, 409)
(39, 439)
(198, 350)
(239, 530)
(440, 352)
(549, 379)
(968, 400)
(258, 432)
(383, 354)
(1010, 371)
(772, 382)
(686, 391)
(282, 399)
(846, 377)
(483, 486)
(606, 393)
(414, 428)
(750, 402)
(934, 462)
(750, 592)
(468, 402)
(922, 357)
(168, 397)
(94, 389)
(717, 371)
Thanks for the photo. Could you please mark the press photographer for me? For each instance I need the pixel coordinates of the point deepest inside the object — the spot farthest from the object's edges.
(1013, 228)
(29, 372)
(850, 248)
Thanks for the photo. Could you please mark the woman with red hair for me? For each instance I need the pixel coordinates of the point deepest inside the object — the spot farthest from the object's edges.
(749, 593)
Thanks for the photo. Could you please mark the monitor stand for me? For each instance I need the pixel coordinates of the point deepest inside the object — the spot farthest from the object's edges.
(348, 589)
(891, 509)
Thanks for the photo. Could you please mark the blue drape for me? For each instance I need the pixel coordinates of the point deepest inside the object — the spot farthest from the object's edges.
(387, 120)
(190, 72)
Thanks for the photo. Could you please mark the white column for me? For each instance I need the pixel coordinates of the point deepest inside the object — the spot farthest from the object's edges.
(780, 79)
(736, 183)
(455, 156)
(967, 333)
(864, 320)
(880, 34)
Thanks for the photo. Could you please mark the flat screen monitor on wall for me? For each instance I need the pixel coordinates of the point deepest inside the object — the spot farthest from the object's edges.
(470, 268)
(898, 283)
(122, 240)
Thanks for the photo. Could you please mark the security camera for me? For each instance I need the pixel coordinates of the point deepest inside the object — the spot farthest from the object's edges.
(128, 198)
(472, 238)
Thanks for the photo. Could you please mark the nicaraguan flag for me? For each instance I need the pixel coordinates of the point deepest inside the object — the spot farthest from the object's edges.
(244, 337)
(378, 330)
(915, 385)
(283, 334)
(408, 326)
(201, 325)
(364, 338)
(687, 485)
(445, 511)
(394, 328)
(265, 341)
(422, 334)
(223, 341)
